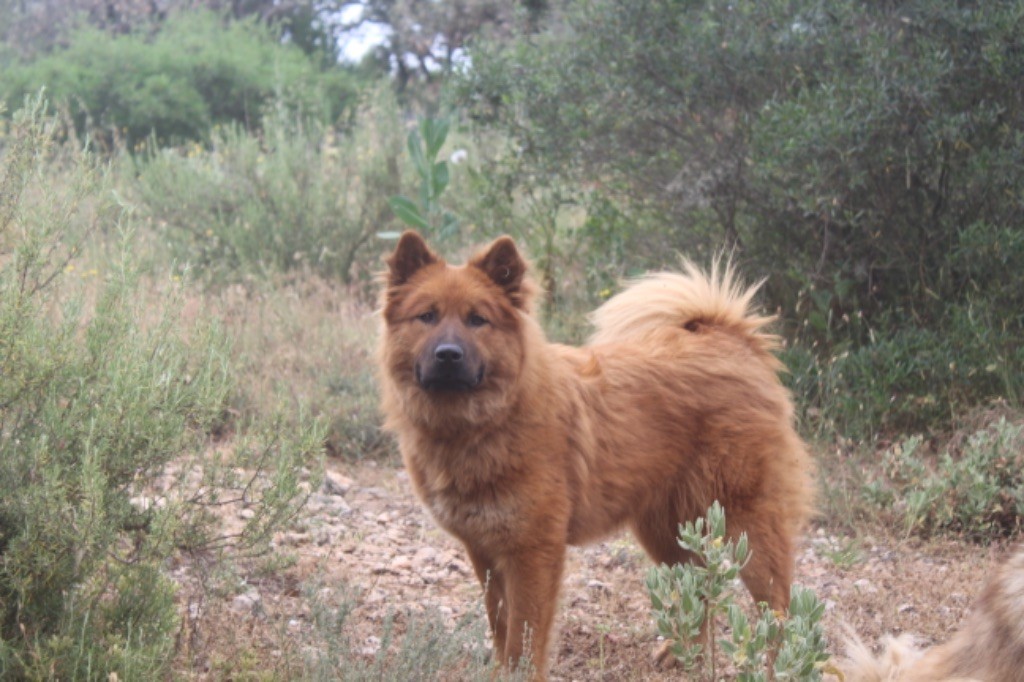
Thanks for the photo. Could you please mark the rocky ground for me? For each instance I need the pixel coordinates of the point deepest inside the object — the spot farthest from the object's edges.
(364, 536)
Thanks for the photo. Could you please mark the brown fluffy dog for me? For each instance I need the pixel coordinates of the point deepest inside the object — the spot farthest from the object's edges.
(988, 648)
(520, 447)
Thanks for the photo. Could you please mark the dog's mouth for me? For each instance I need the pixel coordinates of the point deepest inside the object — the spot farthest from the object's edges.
(448, 380)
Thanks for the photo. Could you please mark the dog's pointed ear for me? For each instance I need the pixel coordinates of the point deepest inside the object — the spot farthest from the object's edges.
(506, 268)
(410, 255)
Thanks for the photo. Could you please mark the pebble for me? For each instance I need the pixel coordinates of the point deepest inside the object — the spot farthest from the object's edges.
(426, 556)
(864, 585)
(335, 484)
(372, 646)
(247, 602)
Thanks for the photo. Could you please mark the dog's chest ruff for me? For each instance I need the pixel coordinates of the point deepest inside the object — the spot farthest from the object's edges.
(472, 517)
(465, 504)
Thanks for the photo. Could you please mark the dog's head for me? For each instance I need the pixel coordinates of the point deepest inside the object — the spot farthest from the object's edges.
(453, 334)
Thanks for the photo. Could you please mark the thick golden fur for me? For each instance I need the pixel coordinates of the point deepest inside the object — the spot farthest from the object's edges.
(526, 446)
(989, 647)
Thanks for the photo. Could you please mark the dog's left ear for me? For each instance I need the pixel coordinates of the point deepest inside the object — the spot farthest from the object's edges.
(506, 268)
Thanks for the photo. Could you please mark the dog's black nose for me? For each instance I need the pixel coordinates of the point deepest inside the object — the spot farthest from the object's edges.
(449, 353)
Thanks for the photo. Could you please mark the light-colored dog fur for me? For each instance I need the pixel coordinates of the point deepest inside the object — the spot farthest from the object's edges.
(989, 647)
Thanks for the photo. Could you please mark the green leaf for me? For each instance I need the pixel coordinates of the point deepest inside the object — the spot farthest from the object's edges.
(449, 225)
(425, 201)
(440, 178)
(408, 212)
(416, 152)
(435, 132)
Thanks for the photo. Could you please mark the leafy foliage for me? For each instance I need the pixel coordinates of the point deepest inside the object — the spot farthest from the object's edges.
(689, 599)
(296, 196)
(910, 381)
(422, 648)
(194, 73)
(424, 145)
(977, 491)
(105, 415)
(863, 155)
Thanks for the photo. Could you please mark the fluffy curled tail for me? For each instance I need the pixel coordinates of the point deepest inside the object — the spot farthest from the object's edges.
(687, 300)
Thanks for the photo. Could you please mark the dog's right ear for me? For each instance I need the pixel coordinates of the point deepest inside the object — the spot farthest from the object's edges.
(409, 256)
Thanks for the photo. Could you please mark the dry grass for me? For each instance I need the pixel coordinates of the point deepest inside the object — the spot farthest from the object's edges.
(305, 345)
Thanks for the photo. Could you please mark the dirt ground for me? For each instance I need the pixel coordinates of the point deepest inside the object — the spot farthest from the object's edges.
(364, 531)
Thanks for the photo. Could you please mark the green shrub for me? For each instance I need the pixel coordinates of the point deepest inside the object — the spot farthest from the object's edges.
(912, 380)
(412, 646)
(863, 156)
(690, 599)
(976, 491)
(297, 196)
(194, 72)
(304, 340)
(355, 431)
(424, 144)
(106, 409)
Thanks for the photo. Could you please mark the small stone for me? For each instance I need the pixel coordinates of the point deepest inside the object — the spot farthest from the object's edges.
(247, 602)
(371, 647)
(426, 556)
(458, 566)
(335, 484)
(295, 539)
(864, 585)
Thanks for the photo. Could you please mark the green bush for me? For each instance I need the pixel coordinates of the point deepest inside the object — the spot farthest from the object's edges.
(106, 409)
(910, 381)
(863, 156)
(296, 196)
(196, 71)
(413, 646)
(688, 600)
(976, 490)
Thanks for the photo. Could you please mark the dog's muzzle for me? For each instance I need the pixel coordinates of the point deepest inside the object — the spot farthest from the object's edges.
(449, 368)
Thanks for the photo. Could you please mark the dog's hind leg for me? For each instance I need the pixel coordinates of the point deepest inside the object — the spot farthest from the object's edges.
(768, 574)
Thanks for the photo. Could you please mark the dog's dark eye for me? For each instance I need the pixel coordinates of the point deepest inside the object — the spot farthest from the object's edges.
(475, 320)
(429, 317)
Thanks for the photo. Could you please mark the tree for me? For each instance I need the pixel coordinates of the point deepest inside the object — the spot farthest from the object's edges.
(196, 72)
(38, 27)
(864, 155)
(425, 37)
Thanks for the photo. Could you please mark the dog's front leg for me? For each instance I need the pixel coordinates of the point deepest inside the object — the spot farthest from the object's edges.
(493, 585)
(532, 579)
